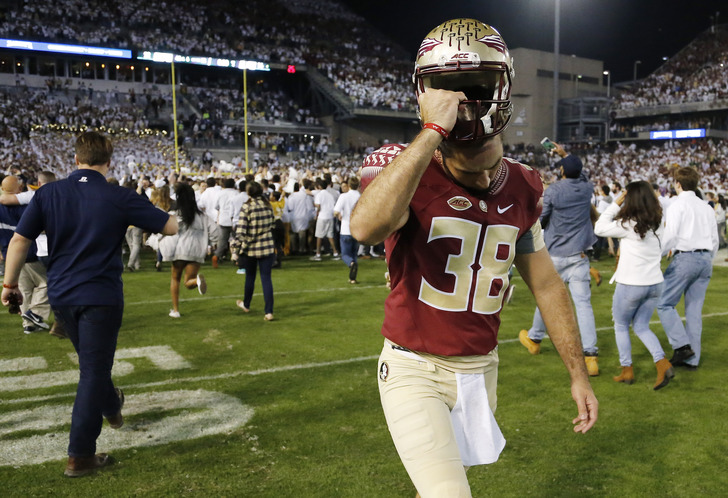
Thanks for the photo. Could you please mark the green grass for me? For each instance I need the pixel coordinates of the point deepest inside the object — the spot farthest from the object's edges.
(317, 429)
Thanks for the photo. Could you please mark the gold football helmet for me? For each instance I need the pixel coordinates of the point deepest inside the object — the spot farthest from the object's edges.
(469, 56)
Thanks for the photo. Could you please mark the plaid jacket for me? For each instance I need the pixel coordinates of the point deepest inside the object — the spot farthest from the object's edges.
(253, 235)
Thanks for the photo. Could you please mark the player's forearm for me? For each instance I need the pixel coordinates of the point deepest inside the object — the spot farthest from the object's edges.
(384, 206)
(171, 227)
(558, 315)
(553, 301)
(9, 199)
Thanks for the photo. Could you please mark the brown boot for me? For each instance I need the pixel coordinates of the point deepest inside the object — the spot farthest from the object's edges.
(596, 275)
(81, 466)
(592, 365)
(665, 372)
(116, 420)
(627, 376)
(57, 330)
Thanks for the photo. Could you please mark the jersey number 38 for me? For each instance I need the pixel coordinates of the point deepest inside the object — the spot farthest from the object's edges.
(481, 294)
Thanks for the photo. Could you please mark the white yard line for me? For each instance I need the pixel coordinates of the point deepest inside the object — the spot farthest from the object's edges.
(277, 293)
(284, 368)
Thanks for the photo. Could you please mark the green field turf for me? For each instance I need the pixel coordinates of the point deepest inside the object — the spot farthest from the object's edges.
(221, 403)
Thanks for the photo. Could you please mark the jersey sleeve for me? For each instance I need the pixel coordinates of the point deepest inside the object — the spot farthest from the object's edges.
(25, 197)
(31, 223)
(377, 161)
(531, 241)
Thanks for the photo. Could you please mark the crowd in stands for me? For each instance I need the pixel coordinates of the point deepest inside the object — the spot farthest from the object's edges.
(35, 125)
(323, 34)
(698, 73)
(264, 105)
(655, 163)
(293, 32)
(372, 71)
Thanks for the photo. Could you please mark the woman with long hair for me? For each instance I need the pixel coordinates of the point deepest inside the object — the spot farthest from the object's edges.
(255, 248)
(635, 217)
(160, 197)
(187, 249)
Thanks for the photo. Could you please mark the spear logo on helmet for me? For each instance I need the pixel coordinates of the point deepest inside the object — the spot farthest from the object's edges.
(495, 42)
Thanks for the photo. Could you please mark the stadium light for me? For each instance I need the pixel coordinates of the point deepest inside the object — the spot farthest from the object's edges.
(557, 22)
(608, 74)
(576, 85)
(635, 70)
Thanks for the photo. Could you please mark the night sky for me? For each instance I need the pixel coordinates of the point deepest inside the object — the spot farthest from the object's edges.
(619, 32)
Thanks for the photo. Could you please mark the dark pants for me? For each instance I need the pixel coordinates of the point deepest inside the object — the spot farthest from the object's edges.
(349, 248)
(93, 331)
(251, 266)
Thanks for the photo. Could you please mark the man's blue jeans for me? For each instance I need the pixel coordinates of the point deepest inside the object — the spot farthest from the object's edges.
(349, 248)
(93, 331)
(574, 271)
(689, 273)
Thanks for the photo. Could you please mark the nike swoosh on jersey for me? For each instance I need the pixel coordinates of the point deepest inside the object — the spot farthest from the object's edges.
(503, 210)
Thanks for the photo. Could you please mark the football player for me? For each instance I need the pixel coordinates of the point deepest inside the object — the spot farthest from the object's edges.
(458, 214)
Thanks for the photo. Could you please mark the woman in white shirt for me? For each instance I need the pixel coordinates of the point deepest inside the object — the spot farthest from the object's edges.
(636, 218)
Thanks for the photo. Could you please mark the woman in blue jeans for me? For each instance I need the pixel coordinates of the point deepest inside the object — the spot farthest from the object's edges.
(255, 248)
(635, 217)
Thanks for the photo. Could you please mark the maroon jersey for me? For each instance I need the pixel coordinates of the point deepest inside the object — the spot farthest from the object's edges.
(449, 263)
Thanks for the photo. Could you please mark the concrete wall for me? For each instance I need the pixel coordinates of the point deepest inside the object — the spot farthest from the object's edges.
(533, 90)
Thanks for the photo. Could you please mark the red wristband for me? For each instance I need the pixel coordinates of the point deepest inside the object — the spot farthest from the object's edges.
(439, 129)
(8, 286)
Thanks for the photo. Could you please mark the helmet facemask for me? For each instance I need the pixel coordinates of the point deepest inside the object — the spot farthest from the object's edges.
(465, 55)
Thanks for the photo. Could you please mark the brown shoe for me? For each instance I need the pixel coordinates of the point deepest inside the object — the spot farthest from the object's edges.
(532, 346)
(214, 261)
(81, 466)
(627, 376)
(596, 275)
(117, 420)
(665, 372)
(57, 330)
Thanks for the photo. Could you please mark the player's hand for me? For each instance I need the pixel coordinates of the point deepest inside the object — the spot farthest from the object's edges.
(440, 107)
(8, 295)
(587, 404)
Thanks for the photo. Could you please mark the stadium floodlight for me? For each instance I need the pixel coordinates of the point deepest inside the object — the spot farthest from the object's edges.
(636, 63)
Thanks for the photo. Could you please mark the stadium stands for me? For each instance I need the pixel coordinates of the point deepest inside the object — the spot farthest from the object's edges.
(356, 59)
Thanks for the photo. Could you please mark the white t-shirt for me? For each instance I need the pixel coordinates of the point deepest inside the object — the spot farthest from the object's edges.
(226, 207)
(344, 206)
(325, 202)
(208, 201)
(42, 241)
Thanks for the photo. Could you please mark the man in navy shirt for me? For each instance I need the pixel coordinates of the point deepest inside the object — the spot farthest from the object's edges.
(568, 233)
(85, 219)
